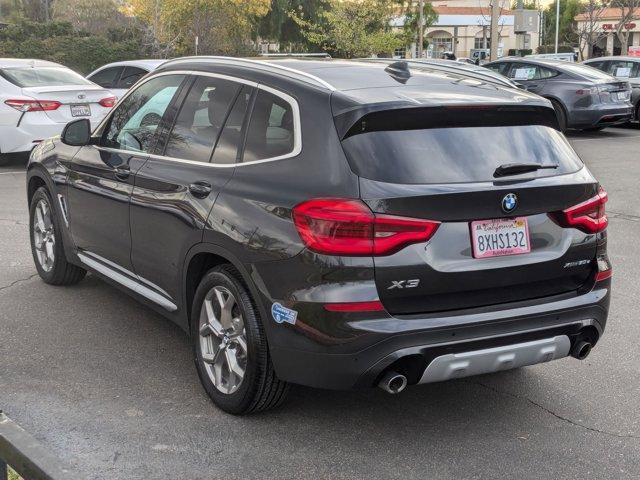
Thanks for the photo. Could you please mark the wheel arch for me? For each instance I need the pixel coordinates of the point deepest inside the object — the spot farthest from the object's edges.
(199, 260)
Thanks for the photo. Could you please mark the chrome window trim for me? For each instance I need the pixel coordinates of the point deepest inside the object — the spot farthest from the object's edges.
(297, 125)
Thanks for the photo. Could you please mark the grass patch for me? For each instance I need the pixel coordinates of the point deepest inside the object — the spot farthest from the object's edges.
(13, 475)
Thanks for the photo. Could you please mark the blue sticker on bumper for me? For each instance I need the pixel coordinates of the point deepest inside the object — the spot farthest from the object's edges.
(283, 314)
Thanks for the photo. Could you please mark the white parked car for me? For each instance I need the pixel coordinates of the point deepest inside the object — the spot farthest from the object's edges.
(118, 77)
(38, 98)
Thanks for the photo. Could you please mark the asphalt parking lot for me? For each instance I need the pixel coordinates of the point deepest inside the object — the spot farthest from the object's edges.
(111, 388)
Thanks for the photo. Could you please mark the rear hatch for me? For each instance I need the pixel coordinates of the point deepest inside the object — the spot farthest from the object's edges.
(439, 164)
(614, 92)
(77, 101)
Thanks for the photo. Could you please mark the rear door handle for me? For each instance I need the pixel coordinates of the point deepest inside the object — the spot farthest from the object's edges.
(123, 172)
(200, 189)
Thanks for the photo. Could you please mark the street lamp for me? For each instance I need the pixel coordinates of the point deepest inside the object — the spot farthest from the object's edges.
(557, 22)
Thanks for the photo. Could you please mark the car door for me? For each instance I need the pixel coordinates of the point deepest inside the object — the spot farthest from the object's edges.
(101, 175)
(533, 77)
(176, 189)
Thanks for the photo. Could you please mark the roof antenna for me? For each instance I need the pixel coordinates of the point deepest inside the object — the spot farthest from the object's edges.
(399, 71)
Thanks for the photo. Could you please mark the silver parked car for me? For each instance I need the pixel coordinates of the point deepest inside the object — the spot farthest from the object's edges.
(584, 98)
(623, 68)
(118, 77)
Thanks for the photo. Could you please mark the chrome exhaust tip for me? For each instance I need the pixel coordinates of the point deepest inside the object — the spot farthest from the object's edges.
(393, 382)
(581, 349)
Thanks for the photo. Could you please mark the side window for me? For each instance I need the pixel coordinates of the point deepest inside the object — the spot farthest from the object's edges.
(226, 151)
(527, 71)
(621, 68)
(133, 123)
(106, 78)
(130, 76)
(598, 65)
(201, 118)
(501, 68)
(271, 129)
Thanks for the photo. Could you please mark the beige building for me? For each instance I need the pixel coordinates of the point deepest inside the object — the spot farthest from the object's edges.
(602, 25)
(464, 25)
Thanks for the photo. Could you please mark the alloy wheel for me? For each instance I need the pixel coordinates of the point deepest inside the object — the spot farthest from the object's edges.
(223, 340)
(44, 238)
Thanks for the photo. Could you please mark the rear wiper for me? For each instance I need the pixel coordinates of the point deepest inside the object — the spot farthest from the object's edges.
(517, 168)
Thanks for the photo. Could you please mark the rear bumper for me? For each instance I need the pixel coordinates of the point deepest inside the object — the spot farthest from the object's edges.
(411, 344)
(601, 115)
(28, 134)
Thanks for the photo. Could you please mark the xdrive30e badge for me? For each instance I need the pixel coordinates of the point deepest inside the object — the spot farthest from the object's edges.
(509, 202)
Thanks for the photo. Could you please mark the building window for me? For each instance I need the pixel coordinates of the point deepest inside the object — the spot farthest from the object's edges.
(400, 52)
(479, 42)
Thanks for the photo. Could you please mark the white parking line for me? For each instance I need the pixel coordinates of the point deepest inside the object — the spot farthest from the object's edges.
(12, 173)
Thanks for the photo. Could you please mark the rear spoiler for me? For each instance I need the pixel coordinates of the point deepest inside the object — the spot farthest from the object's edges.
(357, 121)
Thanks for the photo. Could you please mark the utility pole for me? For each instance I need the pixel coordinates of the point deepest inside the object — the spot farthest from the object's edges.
(557, 22)
(420, 27)
(494, 35)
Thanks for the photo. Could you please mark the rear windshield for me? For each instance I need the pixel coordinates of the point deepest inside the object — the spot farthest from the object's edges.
(462, 154)
(586, 71)
(43, 77)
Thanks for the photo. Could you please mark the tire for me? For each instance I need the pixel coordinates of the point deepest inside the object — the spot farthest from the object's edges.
(218, 339)
(47, 248)
(561, 114)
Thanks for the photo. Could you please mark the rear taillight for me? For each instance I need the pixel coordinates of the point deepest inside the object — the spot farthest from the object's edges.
(108, 102)
(588, 216)
(33, 105)
(349, 227)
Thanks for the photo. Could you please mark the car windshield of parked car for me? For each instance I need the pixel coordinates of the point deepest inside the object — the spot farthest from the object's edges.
(453, 155)
(43, 77)
(586, 71)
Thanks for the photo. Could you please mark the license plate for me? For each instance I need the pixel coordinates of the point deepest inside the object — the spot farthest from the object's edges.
(499, 237)
(80, 111)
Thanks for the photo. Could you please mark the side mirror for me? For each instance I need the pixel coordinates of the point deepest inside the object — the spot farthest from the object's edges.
(77, 133)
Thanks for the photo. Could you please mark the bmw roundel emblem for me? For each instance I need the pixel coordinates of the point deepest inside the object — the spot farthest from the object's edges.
(509, 202)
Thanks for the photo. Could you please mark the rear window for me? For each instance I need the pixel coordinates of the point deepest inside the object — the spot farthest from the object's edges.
(586, 71)
(43, 77)
(460, 154)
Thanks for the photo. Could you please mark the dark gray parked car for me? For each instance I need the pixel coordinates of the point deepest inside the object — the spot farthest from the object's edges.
(624, 69)
(330, 223)
(584, 98)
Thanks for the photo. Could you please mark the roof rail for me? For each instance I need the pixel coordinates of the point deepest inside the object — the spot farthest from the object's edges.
(296, 55)
(268, 66)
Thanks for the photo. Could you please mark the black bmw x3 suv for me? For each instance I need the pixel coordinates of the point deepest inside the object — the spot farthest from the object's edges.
(337, 224)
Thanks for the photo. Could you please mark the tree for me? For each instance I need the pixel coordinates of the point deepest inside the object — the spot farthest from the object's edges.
(588, 29)
(277, 25)
(357, 28)
(94, 16)
(629, 11)
(221, 26)
(411, 13)
(567, 31)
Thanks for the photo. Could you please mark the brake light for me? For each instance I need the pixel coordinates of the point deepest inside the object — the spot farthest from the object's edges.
(348, 227)
(588, 216)
(601, 276)
(108, 102)
(33, 105)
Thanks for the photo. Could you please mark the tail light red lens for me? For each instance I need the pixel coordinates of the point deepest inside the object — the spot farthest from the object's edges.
(108, 102)
(33, 105)
(350, 228)
(588, 216)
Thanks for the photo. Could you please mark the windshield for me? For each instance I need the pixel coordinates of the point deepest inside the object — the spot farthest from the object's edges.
(586, 71)
(460, 154)
(43, 77)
